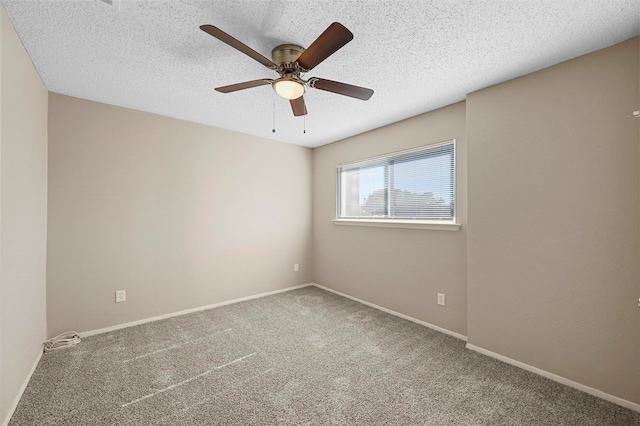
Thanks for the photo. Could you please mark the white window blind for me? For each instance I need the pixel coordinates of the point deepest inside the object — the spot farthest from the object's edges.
(417, 184)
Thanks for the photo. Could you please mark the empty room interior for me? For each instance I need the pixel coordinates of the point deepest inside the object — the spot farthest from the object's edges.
(431, 217)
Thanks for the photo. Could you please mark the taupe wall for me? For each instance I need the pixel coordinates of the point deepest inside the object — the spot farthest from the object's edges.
(23, 215)
(554, 220)
(554, 210)
(180, 215)
(399, 269)
(183, 215)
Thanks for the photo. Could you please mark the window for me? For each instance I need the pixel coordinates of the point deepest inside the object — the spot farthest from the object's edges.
(415, 185)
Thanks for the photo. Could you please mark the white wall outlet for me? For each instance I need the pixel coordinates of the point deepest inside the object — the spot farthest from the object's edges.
(121, 296)
(441, 299)
(296, 268)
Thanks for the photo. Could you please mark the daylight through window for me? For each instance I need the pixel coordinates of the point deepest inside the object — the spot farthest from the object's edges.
(417, 184)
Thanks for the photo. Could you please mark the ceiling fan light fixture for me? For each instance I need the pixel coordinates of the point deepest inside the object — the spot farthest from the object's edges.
(291, 61)
(289, 88)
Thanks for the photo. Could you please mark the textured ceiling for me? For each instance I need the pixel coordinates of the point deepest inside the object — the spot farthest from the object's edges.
(416, 55)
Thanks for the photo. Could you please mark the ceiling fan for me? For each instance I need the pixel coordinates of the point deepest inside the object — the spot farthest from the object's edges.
(291, 62)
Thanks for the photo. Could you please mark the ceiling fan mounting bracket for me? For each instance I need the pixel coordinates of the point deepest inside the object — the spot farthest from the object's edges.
(286, 53)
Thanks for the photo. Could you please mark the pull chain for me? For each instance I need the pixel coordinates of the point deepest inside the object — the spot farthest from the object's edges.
(304, 125)
(273, 100)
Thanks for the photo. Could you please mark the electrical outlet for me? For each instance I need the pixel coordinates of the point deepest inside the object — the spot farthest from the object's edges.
(441, 299)
(121, 296)
(296, 268)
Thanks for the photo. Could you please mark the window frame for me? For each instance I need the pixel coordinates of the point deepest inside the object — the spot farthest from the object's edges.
(414, 223)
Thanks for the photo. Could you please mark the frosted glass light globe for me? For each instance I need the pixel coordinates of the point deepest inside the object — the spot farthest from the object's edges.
(289, 89)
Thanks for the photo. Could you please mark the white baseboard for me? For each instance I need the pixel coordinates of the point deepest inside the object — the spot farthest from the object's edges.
(397, 314)
(188, 311)
(603, 395)
(591, 391)
(21, 391)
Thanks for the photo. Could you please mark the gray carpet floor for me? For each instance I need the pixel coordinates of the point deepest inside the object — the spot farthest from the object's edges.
(304, 357)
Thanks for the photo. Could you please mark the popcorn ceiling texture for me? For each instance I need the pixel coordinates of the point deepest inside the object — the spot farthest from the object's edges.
(416, 55)
(302, 357)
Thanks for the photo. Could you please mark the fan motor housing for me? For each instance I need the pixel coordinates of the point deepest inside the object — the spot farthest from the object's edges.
(286, 53)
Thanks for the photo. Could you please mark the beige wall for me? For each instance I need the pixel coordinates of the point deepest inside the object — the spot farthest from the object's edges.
(399, 269)
(183, 215)
(554, 213)
(180, 215)
(554, 220)
(23, 220)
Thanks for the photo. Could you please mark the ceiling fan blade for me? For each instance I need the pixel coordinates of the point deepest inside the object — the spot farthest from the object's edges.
(236, 44)
(245, 85)
(342, 88)
(332, 39)
(298, 106)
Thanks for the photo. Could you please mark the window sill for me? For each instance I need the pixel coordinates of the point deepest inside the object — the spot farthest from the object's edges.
(412, 224)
